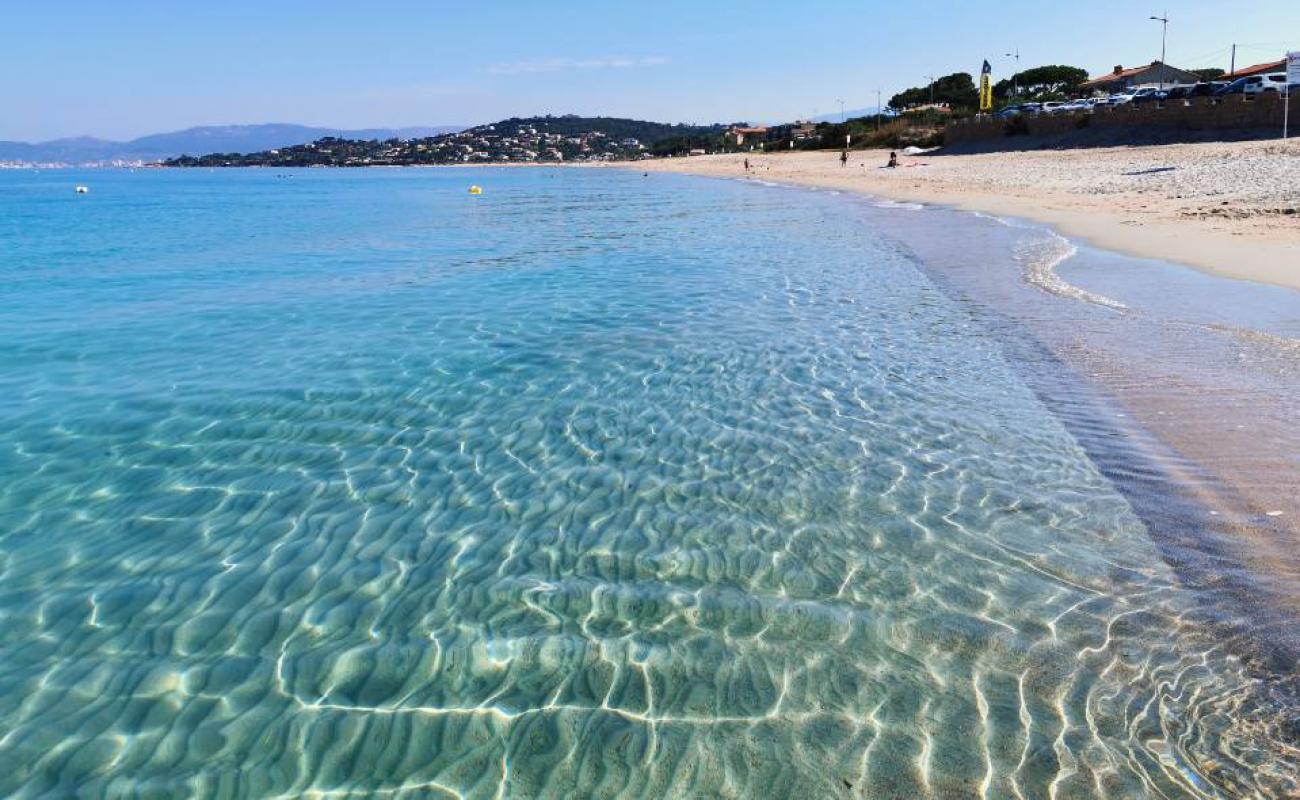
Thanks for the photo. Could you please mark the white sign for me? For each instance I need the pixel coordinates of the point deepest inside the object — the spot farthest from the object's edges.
(1293, 67)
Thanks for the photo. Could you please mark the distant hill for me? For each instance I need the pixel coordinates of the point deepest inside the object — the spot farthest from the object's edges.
(515, 140)
(196, 141)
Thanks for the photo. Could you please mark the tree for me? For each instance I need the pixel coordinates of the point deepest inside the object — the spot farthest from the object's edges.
(1048, 79)
(1209, 73)
(957, 90)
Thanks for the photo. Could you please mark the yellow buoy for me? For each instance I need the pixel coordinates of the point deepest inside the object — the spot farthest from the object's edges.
(476, 190)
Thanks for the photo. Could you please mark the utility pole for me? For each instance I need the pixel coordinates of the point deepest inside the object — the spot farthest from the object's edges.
(1015, 79)
(930, 78)
(879, 110)
(1164, 35)
(1286, 88)
(1233, 67)
(841, 102)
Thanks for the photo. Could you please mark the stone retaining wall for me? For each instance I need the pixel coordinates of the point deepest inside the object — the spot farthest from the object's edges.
(1234, 112)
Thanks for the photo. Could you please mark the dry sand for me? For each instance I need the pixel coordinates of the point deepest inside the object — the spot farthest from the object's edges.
(1232, 208)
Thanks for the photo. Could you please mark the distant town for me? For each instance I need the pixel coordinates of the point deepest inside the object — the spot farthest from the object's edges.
(561, 139)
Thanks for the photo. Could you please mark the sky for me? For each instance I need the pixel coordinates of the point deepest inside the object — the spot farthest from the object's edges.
(124, 68)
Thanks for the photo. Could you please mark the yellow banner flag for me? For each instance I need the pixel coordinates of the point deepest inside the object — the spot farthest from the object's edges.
(986, 87)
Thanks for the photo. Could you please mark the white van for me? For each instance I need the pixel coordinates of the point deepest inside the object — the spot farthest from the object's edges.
(1258, 84)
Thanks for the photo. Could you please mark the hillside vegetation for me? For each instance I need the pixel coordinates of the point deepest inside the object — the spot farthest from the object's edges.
(518, 139)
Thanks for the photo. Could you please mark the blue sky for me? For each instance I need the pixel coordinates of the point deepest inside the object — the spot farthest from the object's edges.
(129, 67)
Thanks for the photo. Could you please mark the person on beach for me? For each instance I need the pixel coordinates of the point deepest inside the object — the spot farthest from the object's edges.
(844, 157)
(893, 160)
(747, 165)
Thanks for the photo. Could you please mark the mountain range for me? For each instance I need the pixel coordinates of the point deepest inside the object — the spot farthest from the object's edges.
(197, 141)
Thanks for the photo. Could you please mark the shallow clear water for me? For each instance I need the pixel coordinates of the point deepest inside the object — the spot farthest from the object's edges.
(345, 482)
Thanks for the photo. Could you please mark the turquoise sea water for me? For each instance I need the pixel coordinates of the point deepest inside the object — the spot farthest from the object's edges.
(345, 483)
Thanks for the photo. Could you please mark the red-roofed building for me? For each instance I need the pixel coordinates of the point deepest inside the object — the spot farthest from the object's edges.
(1257, 69)
(1154, 73)
(738, 136)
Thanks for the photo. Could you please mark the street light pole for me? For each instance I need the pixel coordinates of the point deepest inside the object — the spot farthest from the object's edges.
(930, 78)
(1164, 35)
(841, 102)
(1015, 79)
(879, 110)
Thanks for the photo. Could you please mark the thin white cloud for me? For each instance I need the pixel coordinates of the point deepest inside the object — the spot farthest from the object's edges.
(566, 64)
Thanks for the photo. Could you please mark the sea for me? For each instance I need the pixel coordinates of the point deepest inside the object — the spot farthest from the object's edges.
(348, 483)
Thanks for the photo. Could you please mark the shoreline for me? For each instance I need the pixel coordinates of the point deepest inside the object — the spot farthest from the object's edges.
(1194, 519)
(1200, 521)
(1119, 211)
(1196, 426)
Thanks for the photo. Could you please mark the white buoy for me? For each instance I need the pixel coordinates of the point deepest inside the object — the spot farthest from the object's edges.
(83, 190)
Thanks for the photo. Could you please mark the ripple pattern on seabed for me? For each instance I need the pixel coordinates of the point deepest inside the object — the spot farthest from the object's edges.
(731, 504)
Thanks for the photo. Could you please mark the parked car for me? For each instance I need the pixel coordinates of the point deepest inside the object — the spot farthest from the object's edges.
(1082, 104)
(1236, 87)
(1149, 94)
(1052, 107)
(1152, 97)
(1031, 108)
(1256, 84)
(1122, 98)
(1008, 112)
(1202, 89)
(1273, 82)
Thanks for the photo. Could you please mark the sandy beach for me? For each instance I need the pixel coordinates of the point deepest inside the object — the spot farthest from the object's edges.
(1231, 208)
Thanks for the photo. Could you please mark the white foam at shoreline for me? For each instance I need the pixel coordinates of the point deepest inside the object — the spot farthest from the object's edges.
(900, 205)
(1000, 220)
(1280, 344)
(1041, 258)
